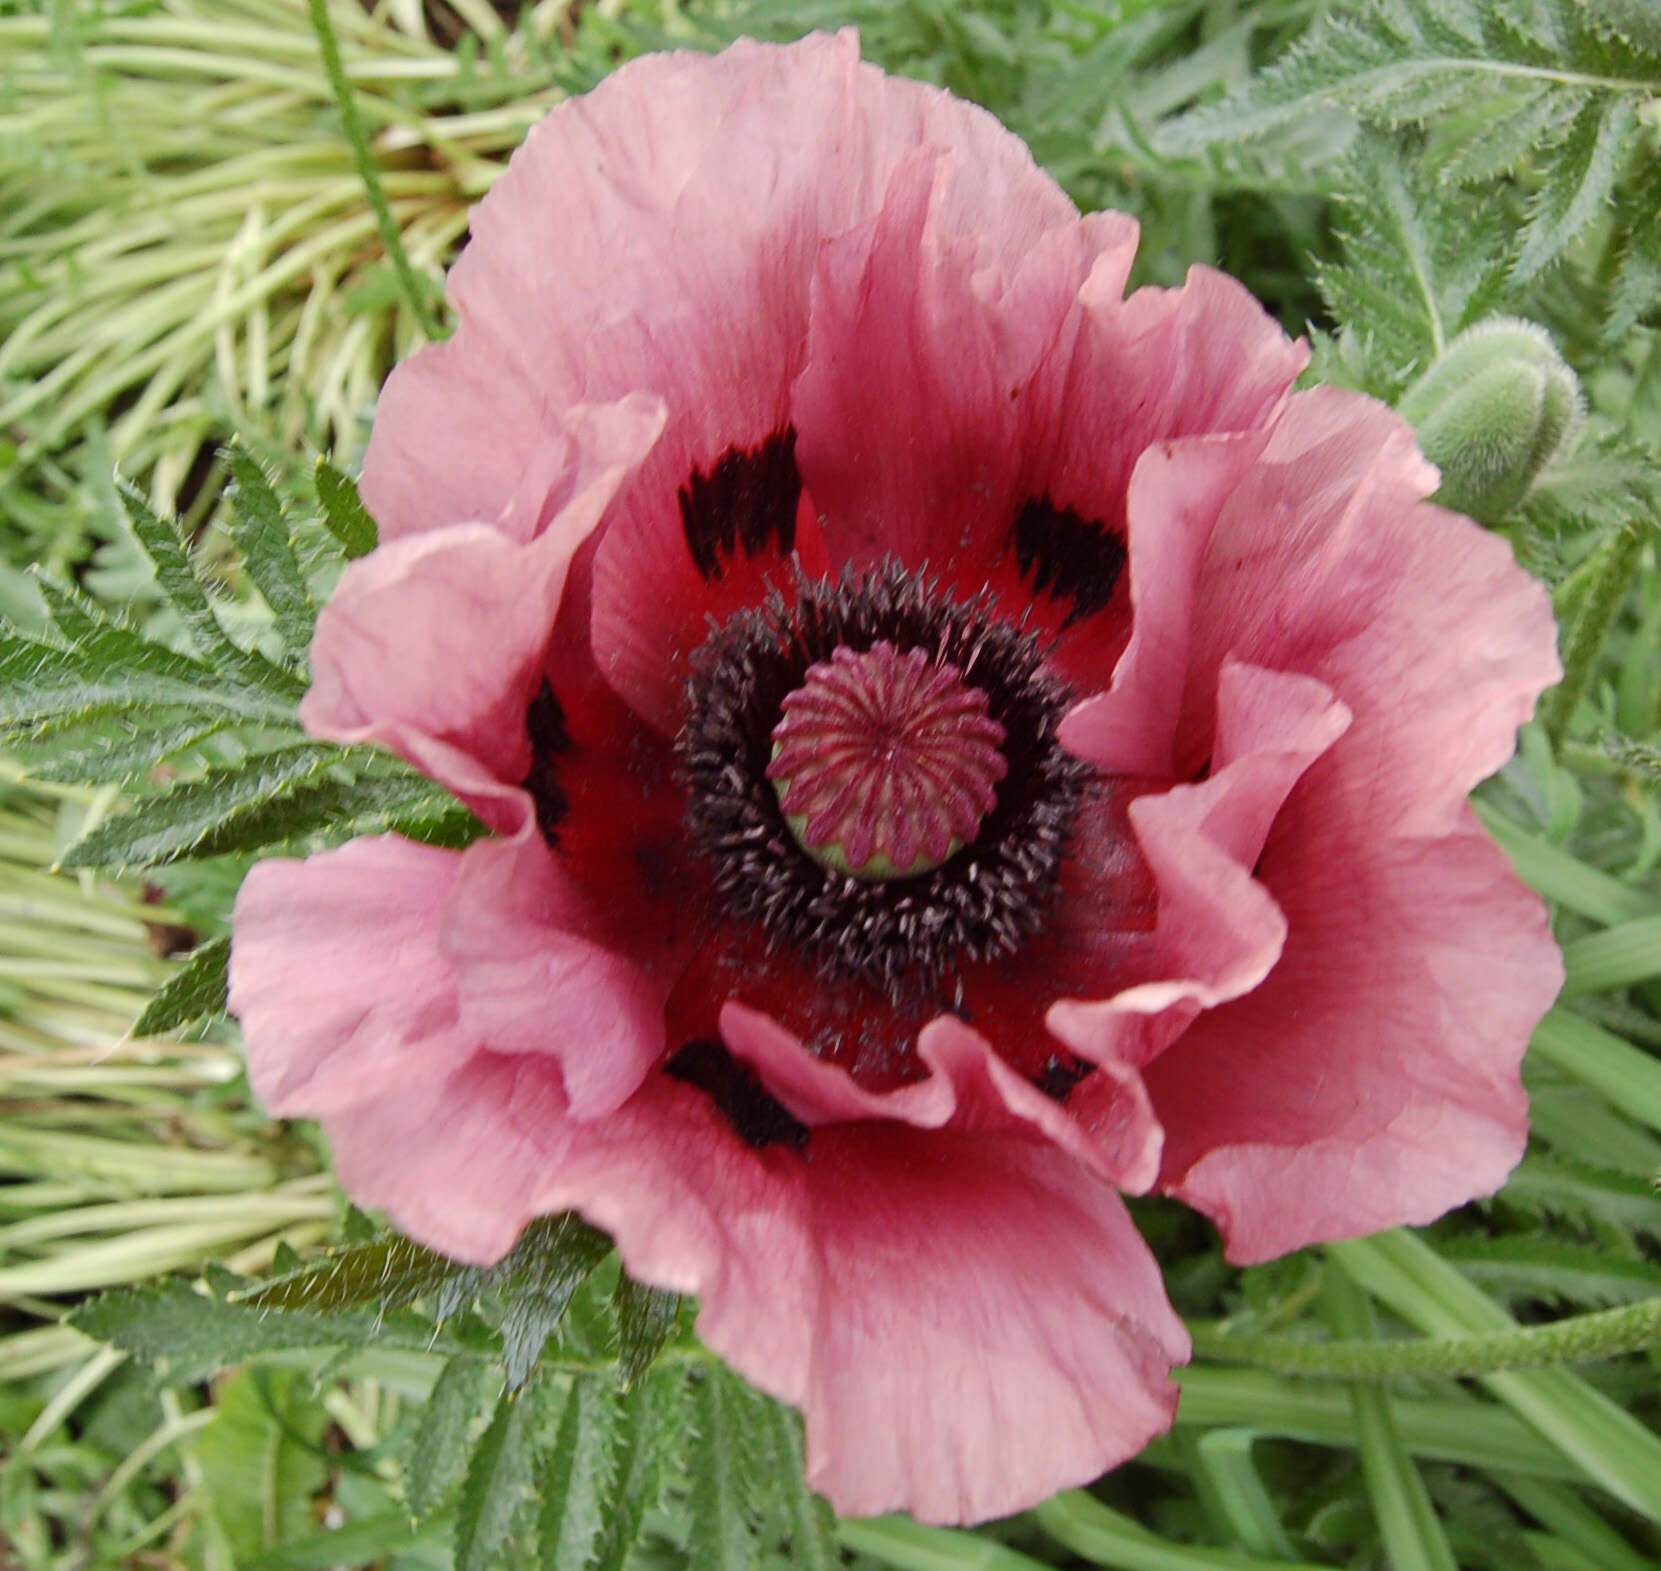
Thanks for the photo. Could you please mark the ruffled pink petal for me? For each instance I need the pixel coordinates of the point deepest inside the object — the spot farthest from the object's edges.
(1164, 364)
(532, 977)
(439, 638)
(960, 1062)
(1371, 1080)
(1218, 931)
(458, 1160)
(679, 196)
(913, 328)
(1176, 493)
(1122, 376)
(925, 1294)
(337, 978)
(1325, 562)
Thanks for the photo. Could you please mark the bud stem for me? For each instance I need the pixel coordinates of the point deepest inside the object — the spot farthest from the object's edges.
(1605, 1334)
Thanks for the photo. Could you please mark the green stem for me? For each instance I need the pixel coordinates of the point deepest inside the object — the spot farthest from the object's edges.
(1600, 597)
(1109, 1538)
(1605, 1334)
(1414, 1539)
(353, 125)
(898, 1541)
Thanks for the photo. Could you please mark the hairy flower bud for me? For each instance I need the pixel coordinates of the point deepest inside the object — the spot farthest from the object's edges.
(1494, 410)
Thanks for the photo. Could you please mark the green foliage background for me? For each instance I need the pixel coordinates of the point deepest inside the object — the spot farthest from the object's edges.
(209, 256)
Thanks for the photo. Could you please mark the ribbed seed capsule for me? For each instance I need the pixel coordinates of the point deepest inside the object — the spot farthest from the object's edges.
(885, 762)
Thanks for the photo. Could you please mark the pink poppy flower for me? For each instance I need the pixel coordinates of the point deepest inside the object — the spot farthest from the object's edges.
(961, 744)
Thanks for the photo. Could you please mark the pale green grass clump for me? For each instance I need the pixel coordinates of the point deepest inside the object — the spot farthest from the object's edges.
(184, 245)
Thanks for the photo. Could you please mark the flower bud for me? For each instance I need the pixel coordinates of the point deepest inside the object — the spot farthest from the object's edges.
(1494, 410)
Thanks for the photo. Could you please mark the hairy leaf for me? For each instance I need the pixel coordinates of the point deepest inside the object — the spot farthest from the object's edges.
(263, 536)
(637, 1465)
(1578, 1192)
(389, 1271)
(645, 1321)
(116, 749)
(577, 1476)
(499, 1482)
(196, 989)
(1420, 262)
(809, 1519)
(438, 1455)
(1578, 184)
(1636, 292)
(1401, 62)
(552, 1259)
(184, 592)
(346, 517)
(202, 817)
(1517, 1269)
(113, 670)
(722, 1530)
(188, 1335)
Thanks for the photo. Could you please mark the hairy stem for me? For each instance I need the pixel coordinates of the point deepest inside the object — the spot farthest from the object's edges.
(1605, 1334)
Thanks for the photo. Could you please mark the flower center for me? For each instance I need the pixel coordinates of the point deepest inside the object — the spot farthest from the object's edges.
(842, 747)
(885, 763)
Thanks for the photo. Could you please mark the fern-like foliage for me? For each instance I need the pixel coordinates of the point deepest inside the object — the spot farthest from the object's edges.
(572, 1418)
(1418, 267)
(202, 737)
(1548, 90)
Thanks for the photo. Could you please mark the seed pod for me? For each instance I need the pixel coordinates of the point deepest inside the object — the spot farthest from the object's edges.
(1494, 410)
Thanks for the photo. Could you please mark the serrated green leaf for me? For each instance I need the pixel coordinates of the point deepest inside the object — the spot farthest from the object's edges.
(645, 1321)
(811, 1522)
(196, 989)
(439, 1452)
(175, 576)
(1578, 1192)
(343, 513)
(1636, 292)
(1398, 63)
(499, 1483)
(183, 591)
(536, 1281)
(262, 535)
(1578, 185)
(204, 816)
(576, 1476)
(722, 1533)
(388, 1271)
(1495, 143)
(637, 1465)
(115, 670)
(74, 614)
(285, 1258)
(1419, 262)
(189, 1336)
(1519, 1268)
(1634, 23)
(115, 749)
